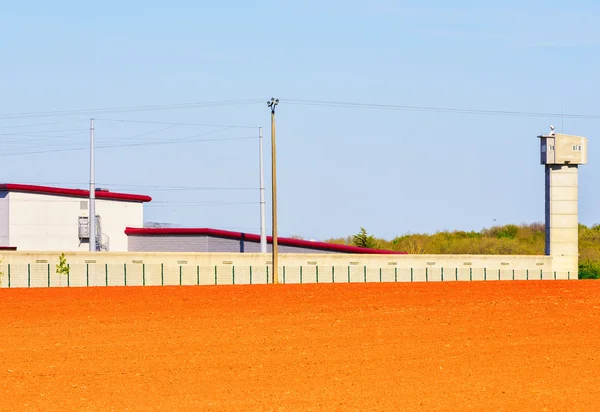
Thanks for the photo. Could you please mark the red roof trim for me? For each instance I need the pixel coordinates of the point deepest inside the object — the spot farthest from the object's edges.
(13, 248)
(256, 238)
(102, 194)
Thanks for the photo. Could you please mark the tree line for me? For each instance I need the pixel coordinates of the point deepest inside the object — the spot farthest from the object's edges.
(524, 239)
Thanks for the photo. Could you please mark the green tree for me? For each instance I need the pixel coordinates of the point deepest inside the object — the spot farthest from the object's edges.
(362, 239)
(63, 267)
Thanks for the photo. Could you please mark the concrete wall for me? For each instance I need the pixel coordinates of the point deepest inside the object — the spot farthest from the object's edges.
(49, 222)
(117, 269)
(204, 243)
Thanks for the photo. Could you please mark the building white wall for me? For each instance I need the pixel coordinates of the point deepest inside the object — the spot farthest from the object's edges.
(50, 222)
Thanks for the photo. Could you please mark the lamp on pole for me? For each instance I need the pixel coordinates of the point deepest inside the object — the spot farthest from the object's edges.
(272, 104)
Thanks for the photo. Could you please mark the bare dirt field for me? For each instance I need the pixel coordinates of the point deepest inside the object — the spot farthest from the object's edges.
(526, 346)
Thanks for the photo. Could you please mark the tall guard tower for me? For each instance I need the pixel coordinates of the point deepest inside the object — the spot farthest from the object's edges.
(562, 154)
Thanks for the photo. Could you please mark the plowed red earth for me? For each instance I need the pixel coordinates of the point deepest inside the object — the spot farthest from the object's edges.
(514, 346)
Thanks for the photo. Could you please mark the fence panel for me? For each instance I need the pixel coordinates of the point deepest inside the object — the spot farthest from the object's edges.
(508, 274)
(420, 274)
(292, 274)
(449, 274)
(17, 276)
(206, 275)
(96, 274)
(339, 274)
(170, 275)
(403, 274)
(187, 275)
(56, 279)
(133, 274)
(356, 273)
(242, 275)
(116, 275)
(77, 276)
(256, 275)
(388, 274)
(152, 274)
(309, 273)
(465, 274)
(224, 274)
(478, 274)
(434, 273)
(39, 275)
(372, 274)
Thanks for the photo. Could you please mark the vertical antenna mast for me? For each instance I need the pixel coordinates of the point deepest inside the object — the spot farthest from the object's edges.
(92, 217)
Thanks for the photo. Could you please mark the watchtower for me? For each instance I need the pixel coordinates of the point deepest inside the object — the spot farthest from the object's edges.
(562, 154)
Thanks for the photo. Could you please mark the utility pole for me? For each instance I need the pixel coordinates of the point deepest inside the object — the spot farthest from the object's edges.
(92, 217)
(263, 224)
(272, 104)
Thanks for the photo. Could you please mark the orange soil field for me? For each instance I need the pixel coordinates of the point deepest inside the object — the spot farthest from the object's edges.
(423, 346)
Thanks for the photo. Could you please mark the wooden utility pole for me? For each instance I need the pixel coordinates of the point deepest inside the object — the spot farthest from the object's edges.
(272, 104)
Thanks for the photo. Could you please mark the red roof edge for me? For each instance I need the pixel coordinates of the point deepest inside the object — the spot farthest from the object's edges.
(256, 238)
(13, 248)
(48, 190)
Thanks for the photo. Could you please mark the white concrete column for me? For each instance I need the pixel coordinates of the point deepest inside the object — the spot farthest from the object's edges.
(562, 220)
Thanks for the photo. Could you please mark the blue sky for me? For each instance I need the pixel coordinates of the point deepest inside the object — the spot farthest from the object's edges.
(391, 171)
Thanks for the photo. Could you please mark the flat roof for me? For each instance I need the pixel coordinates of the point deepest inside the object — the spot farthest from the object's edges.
(59, 191)
(131, 231)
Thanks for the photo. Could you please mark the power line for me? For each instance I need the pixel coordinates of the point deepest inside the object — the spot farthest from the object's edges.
(176, 189)
(41, 139)
(43, 124)
(375, 106)
(156, 143)
(177, 123)
(152, 187)
(127, 109)
(31, 133)
(110, 142)
(151, 132)
(176, 203)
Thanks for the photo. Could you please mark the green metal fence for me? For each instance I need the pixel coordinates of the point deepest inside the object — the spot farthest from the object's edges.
(132, 274)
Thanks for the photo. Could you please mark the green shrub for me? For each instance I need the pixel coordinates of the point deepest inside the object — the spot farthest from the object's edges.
(589, 269)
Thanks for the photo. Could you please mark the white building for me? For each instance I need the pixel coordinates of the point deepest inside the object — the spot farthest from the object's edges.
(42, 218)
